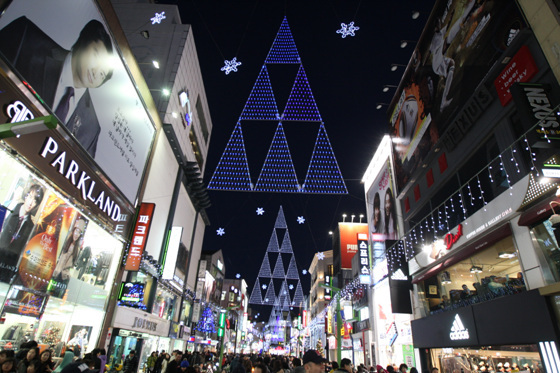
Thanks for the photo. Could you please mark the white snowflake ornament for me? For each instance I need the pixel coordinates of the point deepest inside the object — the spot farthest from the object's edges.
(291, 287)
(301, 219)
(347, 29)
(320, 255)
(220, 231)
(158, 18)
(260, 211)
(264, 286)
(230, 65)
(238, 275)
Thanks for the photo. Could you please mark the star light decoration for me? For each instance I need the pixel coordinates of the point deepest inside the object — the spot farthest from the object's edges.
(347, 29)
(230, 65)
(260, 211)
(220, 231)
(158, 18)
(301, 219)
(320, 255)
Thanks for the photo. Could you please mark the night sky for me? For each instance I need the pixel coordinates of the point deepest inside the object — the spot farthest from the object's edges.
(346, 77)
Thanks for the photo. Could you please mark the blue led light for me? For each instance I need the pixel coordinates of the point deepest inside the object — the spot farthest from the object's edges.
(292, 273)
(261, 104)
(286, 247)
(301, 105)
(279, 268)
(278, 173)
(283, 49)
(232, 172)
(265, 268)
(256, 293)
(280, 221)
(323, 174)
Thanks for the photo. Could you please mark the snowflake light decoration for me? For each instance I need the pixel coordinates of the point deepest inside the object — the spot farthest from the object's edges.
(291, 287)
(238, 275)
(260, 211)
(230, 66)
(220, 231)
(304, 271)
(320, 255)
(264, 286)
(300, 219)
(266, 300)
(347, 29)
(158, 18)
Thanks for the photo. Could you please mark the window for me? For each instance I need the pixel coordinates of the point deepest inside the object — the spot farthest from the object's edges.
(202, 119)
(196, 148)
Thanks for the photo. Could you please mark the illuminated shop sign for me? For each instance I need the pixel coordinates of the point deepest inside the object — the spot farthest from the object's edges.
(458, 330)
(363, 252)
(140, 236)
(18, 112)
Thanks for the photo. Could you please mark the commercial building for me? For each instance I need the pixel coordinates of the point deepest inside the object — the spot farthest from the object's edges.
(75, 152)
(473, 131)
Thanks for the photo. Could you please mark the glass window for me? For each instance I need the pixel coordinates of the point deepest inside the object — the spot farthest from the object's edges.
(164, 304)
(489, 274)
(487, 359)
(546, 237)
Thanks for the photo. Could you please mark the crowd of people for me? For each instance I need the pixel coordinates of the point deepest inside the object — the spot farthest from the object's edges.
(31, 359)
(206, 362)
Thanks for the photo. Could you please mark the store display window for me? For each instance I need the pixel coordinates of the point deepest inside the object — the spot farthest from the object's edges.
(489, 359)
(50, 251)
(491, 273)
(164, 304)
(135, 291)
(545, 235)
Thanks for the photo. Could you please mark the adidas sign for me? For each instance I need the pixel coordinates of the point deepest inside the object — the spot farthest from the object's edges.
(399, 275)
(458, 330)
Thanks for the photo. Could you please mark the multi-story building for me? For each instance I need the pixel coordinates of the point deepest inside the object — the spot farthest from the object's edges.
(72, 175)
(164, 52)
(321, 272)
(234, 301)
(473, 126)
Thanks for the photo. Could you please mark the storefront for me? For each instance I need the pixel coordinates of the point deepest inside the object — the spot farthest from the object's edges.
(137, 330)
(58, 253)
(508, 333)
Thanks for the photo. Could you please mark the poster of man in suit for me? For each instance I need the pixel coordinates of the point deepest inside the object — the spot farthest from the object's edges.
(65, 51)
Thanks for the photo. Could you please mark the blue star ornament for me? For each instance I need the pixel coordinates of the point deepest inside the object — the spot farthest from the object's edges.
(301, 219)
(304, 271)
(260, 211)
(347, 29)
(158, 18)
(230, 66)
(220, 231)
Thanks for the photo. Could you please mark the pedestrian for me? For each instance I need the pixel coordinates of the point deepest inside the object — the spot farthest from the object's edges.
(174, 366)
(165, 362)
(46, 363)
(313, 362)
(130, 363)
(151, 362)
(345, 366)
(403, 368)
(32, 354)
(9, 365)
(380, 369)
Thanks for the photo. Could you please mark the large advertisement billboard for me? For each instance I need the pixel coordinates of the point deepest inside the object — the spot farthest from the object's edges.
(381, 208)
(460, 43)
(348, 233)
(64, 50)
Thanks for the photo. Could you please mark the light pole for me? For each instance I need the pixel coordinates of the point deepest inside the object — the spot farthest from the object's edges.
(336, 294)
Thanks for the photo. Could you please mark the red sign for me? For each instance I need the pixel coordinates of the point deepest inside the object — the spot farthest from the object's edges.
(140, 236)
(348, 233)
(451, 238)
(521, 68)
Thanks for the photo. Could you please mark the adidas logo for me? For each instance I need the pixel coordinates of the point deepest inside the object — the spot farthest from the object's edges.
(458, 330)
(399, 275)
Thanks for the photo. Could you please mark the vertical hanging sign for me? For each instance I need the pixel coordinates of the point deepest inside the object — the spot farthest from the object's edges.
(140, 236)
(363, 251)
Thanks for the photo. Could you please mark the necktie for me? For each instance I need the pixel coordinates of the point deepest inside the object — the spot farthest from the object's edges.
(64, 105)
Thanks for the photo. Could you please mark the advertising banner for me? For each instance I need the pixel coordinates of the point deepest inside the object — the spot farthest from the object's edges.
(64, 51)
(348, 233)
(140, 236)
(381, 208)
(461, 40)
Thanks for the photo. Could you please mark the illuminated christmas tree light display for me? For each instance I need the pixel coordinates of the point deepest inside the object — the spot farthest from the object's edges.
(261, 104)
(283, 49)
(301, 105)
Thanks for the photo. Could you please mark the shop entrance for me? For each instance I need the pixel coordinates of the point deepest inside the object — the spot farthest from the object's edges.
(121, 347)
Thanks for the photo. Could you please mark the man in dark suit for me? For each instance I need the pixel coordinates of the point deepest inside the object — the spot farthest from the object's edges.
(62, 78)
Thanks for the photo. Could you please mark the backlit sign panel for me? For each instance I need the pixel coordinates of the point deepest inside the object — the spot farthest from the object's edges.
(140, 236)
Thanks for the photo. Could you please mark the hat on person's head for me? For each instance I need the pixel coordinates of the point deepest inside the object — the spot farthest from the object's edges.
(379, 368)
(313, 356)
(184, 364)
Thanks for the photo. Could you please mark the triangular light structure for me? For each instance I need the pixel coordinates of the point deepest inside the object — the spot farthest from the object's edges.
(270, 296)
(280, 220)
(279, 269)
(256, 294)
(301, 104)
(298, 296)
(261, 104)
(292, 273)
(273, 244)
(286, 244)
(265, 267)
(232, 172)
(283, 49)
(278, 173)
(323, 175)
